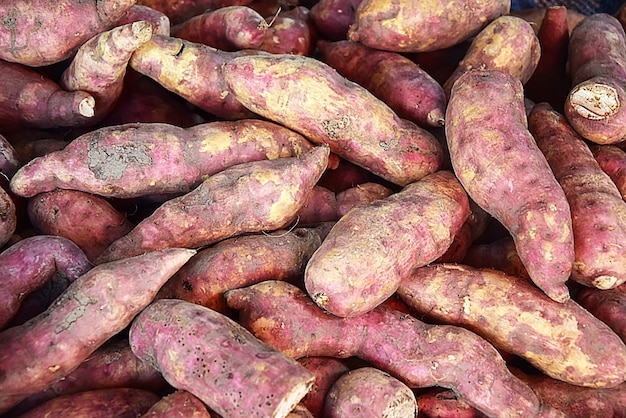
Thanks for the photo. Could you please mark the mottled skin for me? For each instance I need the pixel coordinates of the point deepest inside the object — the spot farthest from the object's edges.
(160, 23)
(333, 18)
(609, 306)
(440, 403)
(229, 28)
(219, 361)
(94, 308)
(561, 339)
(419, 354)
(409, 90)
(597, 208)
(612, 160)
(30, 263)
(406, 26)
(597, 67)
(138, 159)
(242, 261)
(290, 32)
(360, 194)
(249, 197)
(310, 97)
(373, 247)
(8, 216)
(496, 159)
(193, 71)
(179, 403)
(34, 33)
(326, 370)
(507, 44)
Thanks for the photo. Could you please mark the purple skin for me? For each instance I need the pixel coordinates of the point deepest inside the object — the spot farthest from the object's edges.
(179, 403)
(332, 18)
(419, 354)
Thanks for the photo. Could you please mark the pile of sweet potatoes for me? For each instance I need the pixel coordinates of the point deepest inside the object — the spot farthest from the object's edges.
(330, 208)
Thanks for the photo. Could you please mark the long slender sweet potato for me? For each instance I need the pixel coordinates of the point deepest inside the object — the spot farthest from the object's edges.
(612, 160)
(96, 306)
(179, 404)
(34, 33)
(496, 159)
(248, 197)
(310, 97)
(133, 160)
(219, 361)
(326, 371)
(371, 248)
(561, 339)
(597, 208)
(409, 90)
(419, 354)
(406, 26)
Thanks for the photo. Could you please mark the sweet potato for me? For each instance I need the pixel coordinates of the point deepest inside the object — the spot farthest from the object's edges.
(326, 371)
(597, 67)
(508, 44)
(279, 87)
(159, 21)
(248, 197)
(559, 338)
(499, 254)
(134, 160)
(597, 208)
(8, 216)
(612, 160)
(333, 18)
(406, 26)
(418, 354)
(229, 28)
(94, 308)
(369, 392)
(409, 90)
(290, 32)
(216, 359)
(320, 206)
(242, 261)
(181, 404)
(609, 306)
(179, 11)
(346, 175)
(300, 411)
(123, 402)
(361, 194)
(10, 159)
(35, 33)
(444, 403)
(487, 121)
(371, 248)
(31, 262)
(65, 213)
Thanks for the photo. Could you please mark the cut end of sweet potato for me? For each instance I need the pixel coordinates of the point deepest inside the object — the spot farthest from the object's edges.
(86, 107)
(289, 402)
(595, 101)
(605, 282)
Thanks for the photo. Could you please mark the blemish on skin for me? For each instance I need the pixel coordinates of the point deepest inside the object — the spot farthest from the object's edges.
(331, 126)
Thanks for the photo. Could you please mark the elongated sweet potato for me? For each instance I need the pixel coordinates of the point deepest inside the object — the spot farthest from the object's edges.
(34, 33)
(326, 371)
(181, 404)
(612, 160)
(248, 197)
(406, 26)
(133, 160)
(216, 359)
(310, 97)
(609, 306)
(560, 339)
(496, 159)
(181, 10)
(597, 208)
(409, 90)
(96, 306)
(30, 263)
(371, 248)
(419, 354)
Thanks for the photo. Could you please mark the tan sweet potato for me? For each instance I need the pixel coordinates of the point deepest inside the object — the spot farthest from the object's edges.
(612, 160)
(418, 354)
(219, 361)
(179, 404)
(326, 371)
(561, 339)
(34, 33)
(487, 121)
(405, 26)
(597, 208)
(249, 197)
(278, 87)
(94, 308)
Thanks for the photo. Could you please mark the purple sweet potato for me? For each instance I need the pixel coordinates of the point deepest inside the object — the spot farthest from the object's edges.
(310, 97)
(159, 21)
(290, 32)
(503, 170)
(612, 160)
(444, 403)
(10, 159)
(179, 404)
(499, 254)
(181, 10)
(371, 248)
(609, 306)
(418, 354)
(249, 197)
(326, 371)
(333, 18)
(361, 194)
(34, 33)
(8, 217)
(94, 308)
(30, 263)
(135, 159)
(219, 361)
(321, 206)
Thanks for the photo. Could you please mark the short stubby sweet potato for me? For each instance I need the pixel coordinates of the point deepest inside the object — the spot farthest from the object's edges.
(561, 339)
(406, 26)
(612, 160)
(418, 354)
(179, 403)
(249, 197)
(310, 97)
(219, 361)
(597, 209)
(373, 247)
(498, 162)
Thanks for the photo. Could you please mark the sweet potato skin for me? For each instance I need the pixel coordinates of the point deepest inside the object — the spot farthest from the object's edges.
(361, 194)
(179, 11)
(290, 32)
(326, 371)
(8, 216)
(609, 306)
(612, 160)
(231, 371)
(487, 119)
(333, 18)
(180, 404)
